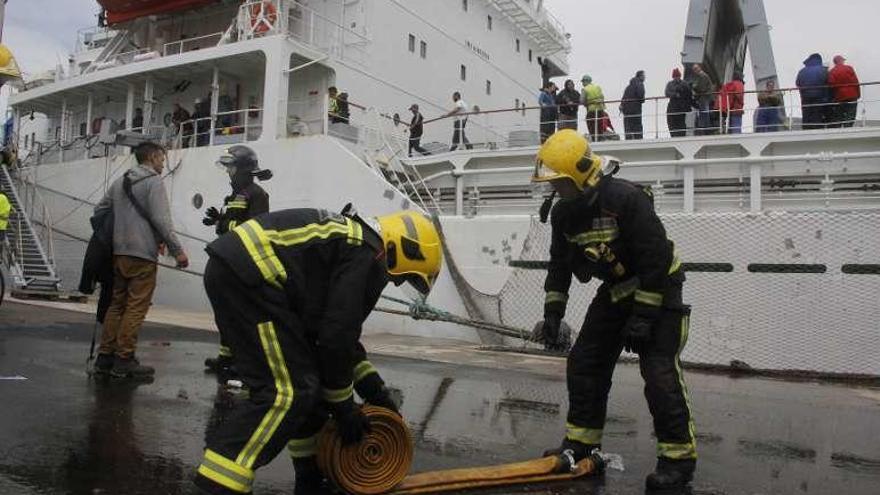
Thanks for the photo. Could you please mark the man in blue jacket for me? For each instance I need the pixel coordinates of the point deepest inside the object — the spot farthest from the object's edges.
(812, 81)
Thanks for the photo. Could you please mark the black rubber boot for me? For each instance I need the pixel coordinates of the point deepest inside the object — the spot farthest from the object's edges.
(130, 368)
(671, 474)
(103, 364)
(309, 480)
(578, 450)
(218, 364)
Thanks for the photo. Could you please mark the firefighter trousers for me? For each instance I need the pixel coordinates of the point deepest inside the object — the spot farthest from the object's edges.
(591, 364)
(278, 366)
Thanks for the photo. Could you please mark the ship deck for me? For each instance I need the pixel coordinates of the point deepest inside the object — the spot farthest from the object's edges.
(65, 433)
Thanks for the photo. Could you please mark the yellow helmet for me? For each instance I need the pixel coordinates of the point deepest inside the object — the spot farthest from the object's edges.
(567, 155)
(412, 248)
(5, 56)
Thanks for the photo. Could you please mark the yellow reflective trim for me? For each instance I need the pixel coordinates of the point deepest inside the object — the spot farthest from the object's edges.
(301, 235)
(682, 450)
(356, 235)
(594, 236)
(225, 351)
(676, 264)
(226, 473)
(232, 224)
(624, 289)
(283, 397)
(583, 435)
(258, 244)
(303, 447)
(336, 395)
(363, 369)
(554, 296)
(649, 298)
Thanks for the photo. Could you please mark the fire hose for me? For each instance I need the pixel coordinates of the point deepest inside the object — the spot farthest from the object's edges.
(380, 463)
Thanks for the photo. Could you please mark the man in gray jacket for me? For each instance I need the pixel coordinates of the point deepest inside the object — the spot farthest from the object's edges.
(141, 232)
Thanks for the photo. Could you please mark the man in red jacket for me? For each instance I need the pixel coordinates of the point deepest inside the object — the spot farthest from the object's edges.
(846, 90)
(730, 101)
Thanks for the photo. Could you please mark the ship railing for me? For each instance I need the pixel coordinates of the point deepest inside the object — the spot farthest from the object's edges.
(522, 125)
(86, 36)
(190, 44)
(227, 127)
(309, 26)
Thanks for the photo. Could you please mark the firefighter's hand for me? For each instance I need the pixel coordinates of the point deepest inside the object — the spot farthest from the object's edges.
(383, 399)
(212, 215)
(636, 333)
(352, 424)
(549, 332)
(182, 260)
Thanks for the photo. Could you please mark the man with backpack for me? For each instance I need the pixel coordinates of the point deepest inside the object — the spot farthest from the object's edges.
(142, 229)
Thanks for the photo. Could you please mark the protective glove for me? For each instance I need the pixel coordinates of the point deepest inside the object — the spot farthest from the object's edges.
(636, 333)
(549, 332)
(351, 423)
(212, 215)
(383, 399)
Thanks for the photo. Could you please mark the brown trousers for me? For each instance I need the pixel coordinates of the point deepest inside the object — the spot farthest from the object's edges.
(134, 280)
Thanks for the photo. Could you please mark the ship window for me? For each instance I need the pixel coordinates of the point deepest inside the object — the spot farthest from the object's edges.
(463, 73)
(423, 49)
(488, 87)
(530, 54)
(26, 137)
(412, 43)
(517, 45)
(516, 105)
(524, 109)
(33, 139)
(464, 5)
(82, 129)
(489, 23)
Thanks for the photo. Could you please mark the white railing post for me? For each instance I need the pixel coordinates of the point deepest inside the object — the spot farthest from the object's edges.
(755, 188)
(656, 118)
(688, 189)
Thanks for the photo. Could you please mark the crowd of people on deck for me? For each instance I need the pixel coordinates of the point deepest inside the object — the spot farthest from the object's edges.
(829, 98)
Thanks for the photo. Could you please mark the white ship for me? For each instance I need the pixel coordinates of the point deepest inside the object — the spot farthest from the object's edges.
(780, 230)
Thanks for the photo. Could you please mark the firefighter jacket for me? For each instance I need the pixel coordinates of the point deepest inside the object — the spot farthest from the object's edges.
(241, 206)
(618, 239)
(332, 269)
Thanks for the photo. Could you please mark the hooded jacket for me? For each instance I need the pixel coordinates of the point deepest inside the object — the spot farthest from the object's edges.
(680, 96)
(132, 233)
(633, 97)
(813, 79)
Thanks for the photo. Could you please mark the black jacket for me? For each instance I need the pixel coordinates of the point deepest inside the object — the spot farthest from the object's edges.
(241, 206)
(681, 98)
(568, 100)
(331, 267)
(635, 260)
(633, 97)
(416, 126)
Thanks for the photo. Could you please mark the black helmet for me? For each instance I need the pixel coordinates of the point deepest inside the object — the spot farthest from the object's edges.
(245, 161)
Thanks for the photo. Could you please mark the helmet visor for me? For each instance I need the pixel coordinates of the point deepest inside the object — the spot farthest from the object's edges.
(543, 173)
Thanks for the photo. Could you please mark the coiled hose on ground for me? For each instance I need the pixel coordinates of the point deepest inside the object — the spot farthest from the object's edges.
(380, 463)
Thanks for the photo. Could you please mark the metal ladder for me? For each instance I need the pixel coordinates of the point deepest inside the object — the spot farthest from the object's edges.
(31, 268)
(519, 17)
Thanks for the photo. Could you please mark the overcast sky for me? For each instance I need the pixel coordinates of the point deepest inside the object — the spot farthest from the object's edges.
(611, 38)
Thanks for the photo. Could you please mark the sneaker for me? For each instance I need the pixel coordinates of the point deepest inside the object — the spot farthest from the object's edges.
(103, 364)
(578, 450)
(130, 368)
(671, 474)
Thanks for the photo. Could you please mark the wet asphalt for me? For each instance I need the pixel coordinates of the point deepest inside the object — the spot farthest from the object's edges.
(62, 432)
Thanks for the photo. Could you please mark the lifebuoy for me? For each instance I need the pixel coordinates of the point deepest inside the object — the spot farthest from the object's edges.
(263, 16)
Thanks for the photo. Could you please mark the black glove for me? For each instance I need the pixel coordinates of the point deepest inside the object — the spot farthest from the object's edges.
(372, 389)
(383, 399)
(212, 215)
(547, 331)
(351, 422)
(636, 333)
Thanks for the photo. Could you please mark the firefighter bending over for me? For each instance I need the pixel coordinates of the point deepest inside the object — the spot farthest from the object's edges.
(290, 290)
(605, 227)
(246, 201)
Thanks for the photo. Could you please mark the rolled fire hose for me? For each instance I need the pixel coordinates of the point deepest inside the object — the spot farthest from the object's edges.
(380, 463)
(375, 465)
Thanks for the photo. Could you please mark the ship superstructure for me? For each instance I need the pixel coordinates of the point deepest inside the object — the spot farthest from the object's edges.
(779, 229)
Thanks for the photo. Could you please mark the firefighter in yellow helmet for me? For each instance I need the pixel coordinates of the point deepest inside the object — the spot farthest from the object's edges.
(290, 290)
(606, 228)
(5, 210)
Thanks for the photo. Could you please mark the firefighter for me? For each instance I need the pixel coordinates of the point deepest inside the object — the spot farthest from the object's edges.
(246, 201)
(606, 228)
(290, 290)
